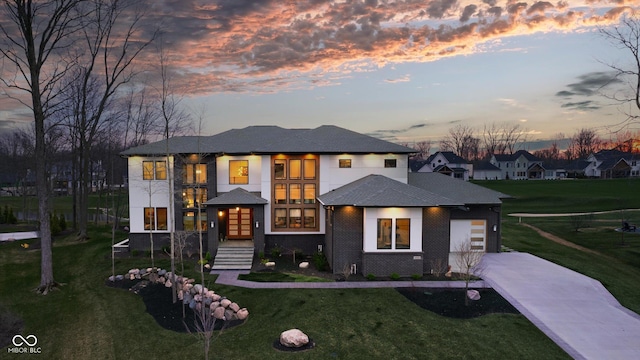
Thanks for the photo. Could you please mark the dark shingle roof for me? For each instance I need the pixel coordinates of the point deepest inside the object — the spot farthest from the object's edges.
(485, 166)
(457, 189)
(273, 140)
(378, 190)
(237, 196)
(516, 155)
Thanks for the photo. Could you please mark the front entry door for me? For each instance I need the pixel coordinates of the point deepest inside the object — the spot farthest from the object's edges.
(239, 224)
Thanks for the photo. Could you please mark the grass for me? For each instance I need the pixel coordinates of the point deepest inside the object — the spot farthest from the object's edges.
(86, 319)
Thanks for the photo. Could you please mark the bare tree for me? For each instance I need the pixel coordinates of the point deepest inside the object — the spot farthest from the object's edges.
(502, 138)
(423, 149)
(626, 36)
(583, 143)
(461, 141)
(468, 260)
(34, 38)
(109, 45)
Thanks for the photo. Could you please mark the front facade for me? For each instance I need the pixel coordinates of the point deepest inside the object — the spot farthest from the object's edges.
(448, 163)
(520, 165)
(610, 164)
(265, 184)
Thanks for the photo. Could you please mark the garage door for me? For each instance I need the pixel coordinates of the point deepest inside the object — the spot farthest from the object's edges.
(465, 230)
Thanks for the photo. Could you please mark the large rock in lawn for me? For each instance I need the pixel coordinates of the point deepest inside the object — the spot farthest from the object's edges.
(242, 314)
(473, 294)
(293, 338)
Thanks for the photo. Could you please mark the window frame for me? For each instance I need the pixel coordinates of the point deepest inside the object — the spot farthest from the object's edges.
(390, 163)
(344, 163)
(294, 179)
(236, 180)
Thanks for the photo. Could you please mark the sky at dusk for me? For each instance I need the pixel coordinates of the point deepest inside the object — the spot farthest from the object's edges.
(400, 70)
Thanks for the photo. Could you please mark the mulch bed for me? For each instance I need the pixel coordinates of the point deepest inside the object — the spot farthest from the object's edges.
(450, 302)
(158, 300)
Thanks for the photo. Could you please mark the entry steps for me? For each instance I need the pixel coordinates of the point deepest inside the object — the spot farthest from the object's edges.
(233, 258)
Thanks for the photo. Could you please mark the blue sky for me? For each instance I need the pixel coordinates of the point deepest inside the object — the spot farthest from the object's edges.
(401, 70)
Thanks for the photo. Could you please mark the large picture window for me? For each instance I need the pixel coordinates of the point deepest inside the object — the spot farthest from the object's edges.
(238, 171)
(192, 197)
(192, 222)
(295, 182)
(154, 170)
(155, 218)
(393, 237)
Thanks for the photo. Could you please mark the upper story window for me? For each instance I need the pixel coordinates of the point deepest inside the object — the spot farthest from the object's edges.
(194, 174)
(154, 170)
(238, 171)
(390, 163)
(344, 163)
(294, 192)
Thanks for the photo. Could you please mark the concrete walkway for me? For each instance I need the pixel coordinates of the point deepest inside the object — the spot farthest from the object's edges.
(575, 311)
(230, 277)
(19, 236)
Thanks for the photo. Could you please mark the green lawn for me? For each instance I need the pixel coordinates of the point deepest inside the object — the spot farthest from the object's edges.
(85, 319)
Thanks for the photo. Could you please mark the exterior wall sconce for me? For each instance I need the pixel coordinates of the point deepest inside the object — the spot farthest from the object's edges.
(257, 224)
(213, 224)
(495, 228)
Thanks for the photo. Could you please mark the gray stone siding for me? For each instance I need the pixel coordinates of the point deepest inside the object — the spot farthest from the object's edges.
(387, 263)
(435, 238)
(347, 238)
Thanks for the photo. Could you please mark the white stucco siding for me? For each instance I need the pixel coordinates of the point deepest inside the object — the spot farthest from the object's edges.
(145, 193)
(332, 176)
(371, 216)
(255, 173)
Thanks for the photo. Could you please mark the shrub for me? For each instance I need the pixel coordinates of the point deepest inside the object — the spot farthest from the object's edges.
(371, 277)
(320, 261)
(62, 222)
(276, 252)
(394, 276)
(207, 256)
(54, 223)
(261, 255)
(416, 276)
(135, 252)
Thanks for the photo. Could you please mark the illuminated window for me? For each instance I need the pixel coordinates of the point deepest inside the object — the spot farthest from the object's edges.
(394, 237)
(309, 193)
(295, 194)
(310, 218)
(194, 174)
(384, 234)
(294, 169)
(191, 222)
(149, 219)
(238, 171)
(295, 218)
(344, 163)
(309, 169)
(193, 197)
(280, 218)
(155, 218)
(154, 170)
(280, 169)
(402, 233)
(280, 195)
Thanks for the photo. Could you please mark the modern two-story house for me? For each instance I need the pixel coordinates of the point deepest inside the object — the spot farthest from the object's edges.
(326, 189)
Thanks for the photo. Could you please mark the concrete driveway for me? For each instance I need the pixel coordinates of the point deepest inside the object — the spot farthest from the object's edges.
(574, 310)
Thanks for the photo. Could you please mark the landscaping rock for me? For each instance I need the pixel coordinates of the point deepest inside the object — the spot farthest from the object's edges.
(235, 307)
(225, 303)
(270, 264)
(473, 294)
(162, 272)
(242, 314)
(293, 338)
(119, 277)
(218, 313)
(304, 265)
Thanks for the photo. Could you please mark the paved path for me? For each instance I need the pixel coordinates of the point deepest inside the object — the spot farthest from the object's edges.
(575, 311)
(230, 277)
(19, 235)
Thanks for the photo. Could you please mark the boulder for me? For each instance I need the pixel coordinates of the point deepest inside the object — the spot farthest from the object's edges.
(225, 303)
(304, 265)
(270, 264)
(293, 338)
(119, 277)
(242, 314)
(162, 272)
(229, 315)
(473, 294)
(168, 283)
(197, 288)
(235, 307)
(132, 276)
(218, 313)
(214, 305)
(216, 297)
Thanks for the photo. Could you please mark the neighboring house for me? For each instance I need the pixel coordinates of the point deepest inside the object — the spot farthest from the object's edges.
(484, 170)
(577, 168)
(327, 189)
(555, 173)
(520, 165)
(448, 163)
(609, 164)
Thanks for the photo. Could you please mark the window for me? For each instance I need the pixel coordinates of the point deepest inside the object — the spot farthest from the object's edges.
(294, 169)
(154, 170)
(295, 195)
(390, 163)
(191, 221)
(309, 169)
(192, 197)
(238, 171)
(344, 163)
(295, 218)
(194, 174)
(390, 237)
(280, 169)
(309, 193)
(155, 218)
(384, 234)
(280, 195)
(295, 182)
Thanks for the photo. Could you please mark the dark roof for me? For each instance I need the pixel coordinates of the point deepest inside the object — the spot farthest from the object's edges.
(578, 165)
(273, 140)
(611, 154)
(485, 166)
(237, 196)
(610, 163)
(457, 189)
(516, 155)
(378, 190)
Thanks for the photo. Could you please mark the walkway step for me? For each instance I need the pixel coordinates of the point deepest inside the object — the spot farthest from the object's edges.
(233, 258)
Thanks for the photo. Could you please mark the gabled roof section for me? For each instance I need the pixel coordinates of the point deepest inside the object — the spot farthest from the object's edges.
(456, 189)
(513, 157)
(453, 158)
(237, 196)
(381, 191)
(485, 166)
(274, 140)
